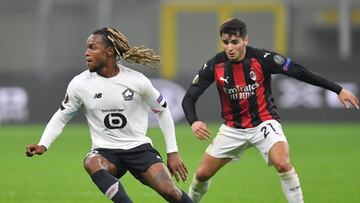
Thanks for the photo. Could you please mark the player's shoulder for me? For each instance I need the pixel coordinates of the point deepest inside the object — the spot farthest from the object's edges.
(256, 52)
(219, 58)
(132, 74)
(216, 59)
(81, 78)
(265, 55)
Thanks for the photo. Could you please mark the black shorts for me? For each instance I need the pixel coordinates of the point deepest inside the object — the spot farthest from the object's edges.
(135, 160)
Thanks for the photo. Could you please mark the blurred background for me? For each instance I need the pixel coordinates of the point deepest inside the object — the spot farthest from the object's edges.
(43, 42)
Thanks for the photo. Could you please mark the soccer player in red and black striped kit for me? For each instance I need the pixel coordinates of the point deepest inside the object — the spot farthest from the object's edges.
(243, 79)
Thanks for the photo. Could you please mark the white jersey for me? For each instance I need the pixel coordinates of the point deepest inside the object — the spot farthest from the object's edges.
(116, 109)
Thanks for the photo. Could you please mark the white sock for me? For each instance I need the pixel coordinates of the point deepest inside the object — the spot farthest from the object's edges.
(290, 185)
(197, 189)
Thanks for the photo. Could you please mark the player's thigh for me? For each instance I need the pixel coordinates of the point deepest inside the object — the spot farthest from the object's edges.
(94, 162)
(229, 143)
(268, 135)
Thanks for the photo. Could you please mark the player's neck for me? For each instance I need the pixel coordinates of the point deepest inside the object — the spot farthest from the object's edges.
(110, 70)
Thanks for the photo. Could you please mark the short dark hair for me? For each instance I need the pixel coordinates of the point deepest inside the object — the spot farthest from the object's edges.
(233, 26)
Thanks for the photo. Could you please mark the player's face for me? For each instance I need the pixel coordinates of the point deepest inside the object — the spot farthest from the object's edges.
(234, 46)
(96, 53)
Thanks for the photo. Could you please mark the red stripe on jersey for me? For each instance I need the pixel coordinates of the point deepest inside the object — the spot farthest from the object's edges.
(240, 81)
(224, 98)
(264, 114)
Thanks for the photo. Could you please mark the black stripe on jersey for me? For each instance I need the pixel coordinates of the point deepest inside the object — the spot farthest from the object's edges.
(253, 105)
(270, 103)
(235, 107)
(266, 67)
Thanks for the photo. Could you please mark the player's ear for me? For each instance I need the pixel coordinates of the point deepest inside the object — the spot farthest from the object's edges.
(110, 51)
(246, 39)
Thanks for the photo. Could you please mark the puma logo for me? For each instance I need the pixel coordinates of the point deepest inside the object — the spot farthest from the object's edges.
(205, 65)
(224, 79)
(266, 54)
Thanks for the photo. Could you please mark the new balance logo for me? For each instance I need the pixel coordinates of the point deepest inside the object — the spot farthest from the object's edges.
(97, 95)
(225, 79)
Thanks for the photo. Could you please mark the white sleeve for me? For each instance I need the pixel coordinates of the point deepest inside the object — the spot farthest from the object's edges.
(167, 127)
(159, 106)
(68, 109)
(54, 128)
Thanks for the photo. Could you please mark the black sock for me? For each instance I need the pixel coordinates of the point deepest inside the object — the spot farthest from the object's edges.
(110, 186)
(185, 198)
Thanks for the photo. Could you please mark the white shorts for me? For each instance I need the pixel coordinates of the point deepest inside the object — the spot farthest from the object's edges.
(232, 142)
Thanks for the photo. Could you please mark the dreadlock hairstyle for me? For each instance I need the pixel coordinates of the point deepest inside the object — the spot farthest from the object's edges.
(136, 54)
(233, 26)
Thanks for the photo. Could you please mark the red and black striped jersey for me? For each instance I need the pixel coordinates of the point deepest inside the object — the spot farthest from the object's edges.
(244, 87)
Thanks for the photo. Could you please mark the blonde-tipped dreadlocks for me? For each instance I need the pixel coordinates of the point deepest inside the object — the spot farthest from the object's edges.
(136, 54)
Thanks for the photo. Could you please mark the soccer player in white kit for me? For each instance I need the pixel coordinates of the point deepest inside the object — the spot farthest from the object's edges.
(115, 100)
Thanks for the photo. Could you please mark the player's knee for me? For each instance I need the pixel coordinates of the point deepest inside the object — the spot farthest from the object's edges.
(171, 194)
(91, 164)
(203, 175)
(283, 166)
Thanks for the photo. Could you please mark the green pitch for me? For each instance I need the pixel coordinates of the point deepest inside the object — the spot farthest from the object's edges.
(326, 157)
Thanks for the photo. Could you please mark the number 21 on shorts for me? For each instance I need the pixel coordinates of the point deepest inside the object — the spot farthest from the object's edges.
(267, 129)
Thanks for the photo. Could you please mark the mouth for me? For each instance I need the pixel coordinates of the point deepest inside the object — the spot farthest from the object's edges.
(88, 61)
(231, 55)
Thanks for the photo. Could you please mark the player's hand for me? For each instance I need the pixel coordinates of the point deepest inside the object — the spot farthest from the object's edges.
(200, 130)
(33, 149)
(177, 167)
(346, 97)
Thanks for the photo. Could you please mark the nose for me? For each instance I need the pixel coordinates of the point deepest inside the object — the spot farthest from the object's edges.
(87, 52)
(230, 47)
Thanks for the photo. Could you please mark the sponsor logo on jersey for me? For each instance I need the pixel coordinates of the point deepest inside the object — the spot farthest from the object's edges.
(241, 92)
(111, 110)
(279, 60)
(97, 95)
(128, 94)
(252, 75)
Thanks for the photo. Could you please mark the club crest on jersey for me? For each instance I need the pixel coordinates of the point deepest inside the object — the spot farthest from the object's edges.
(252, 75)
(279, 60)
(128, 94)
